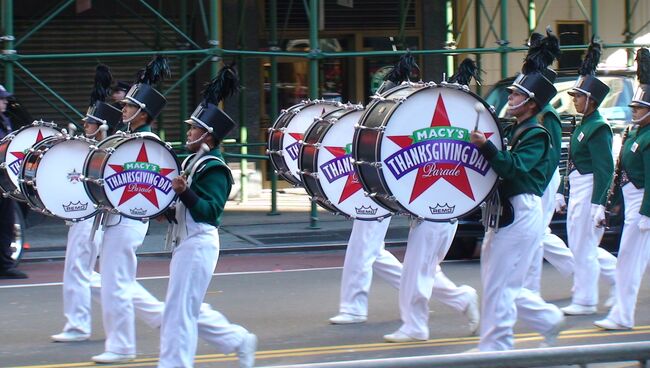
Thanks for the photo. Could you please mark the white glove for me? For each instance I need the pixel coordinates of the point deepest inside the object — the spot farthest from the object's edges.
(597, 214)
(560, 203)
(644, 223)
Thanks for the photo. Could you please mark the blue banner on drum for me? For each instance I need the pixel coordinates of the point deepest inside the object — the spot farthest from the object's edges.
(442, 151)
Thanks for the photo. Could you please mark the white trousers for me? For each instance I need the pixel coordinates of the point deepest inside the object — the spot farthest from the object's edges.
(366, 254)
(80, 258)
(118, 265)
(191, 268)
(427, 245)
(584, 239)
(506, 258)
(554, 250)
(633, 256)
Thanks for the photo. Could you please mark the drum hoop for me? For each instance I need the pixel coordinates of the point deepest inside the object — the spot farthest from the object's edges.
(41, 205)
(394, 108)
(124, 140)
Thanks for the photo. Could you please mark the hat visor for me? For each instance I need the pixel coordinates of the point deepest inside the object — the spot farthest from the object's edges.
(575, 92)
(513, 88)
(638, 104)
(4, 94)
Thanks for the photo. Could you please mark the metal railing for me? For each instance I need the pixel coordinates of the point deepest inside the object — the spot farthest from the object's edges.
(567, 355)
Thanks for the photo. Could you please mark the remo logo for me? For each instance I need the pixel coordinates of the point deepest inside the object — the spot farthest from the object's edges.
(428, 161)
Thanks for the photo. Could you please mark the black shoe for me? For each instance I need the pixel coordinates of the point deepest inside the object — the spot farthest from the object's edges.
(12, 273)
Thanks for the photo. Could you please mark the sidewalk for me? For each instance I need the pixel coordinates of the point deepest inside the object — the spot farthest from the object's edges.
(246, 227)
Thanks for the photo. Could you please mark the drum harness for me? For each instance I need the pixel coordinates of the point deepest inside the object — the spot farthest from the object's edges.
(494, 213)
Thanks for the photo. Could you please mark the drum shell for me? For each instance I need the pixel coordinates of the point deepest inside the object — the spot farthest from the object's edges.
(390, 118)
(307, 160)
(6, 185)
(53, 185)
(275, 145)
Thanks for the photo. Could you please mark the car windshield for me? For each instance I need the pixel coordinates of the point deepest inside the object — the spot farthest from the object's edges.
(614, 107)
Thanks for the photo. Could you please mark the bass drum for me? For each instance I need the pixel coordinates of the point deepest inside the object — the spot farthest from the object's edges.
(51, 177)
(131, 174)
(13, 149)
(286, 135)
(413, 153)
(326, 168)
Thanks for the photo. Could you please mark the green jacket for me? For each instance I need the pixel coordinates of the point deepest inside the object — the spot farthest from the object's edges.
(524, 167)
(635, 162)
(207, 195)
(143, 128)
(550, 119)
(591, 152)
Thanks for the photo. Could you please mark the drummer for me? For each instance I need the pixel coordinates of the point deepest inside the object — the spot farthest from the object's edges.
(81, 251)
(427, 245)
(122, 236)
(366, 253)
(508, 252)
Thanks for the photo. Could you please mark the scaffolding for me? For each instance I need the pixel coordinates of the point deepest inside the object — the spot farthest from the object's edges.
(455, 27)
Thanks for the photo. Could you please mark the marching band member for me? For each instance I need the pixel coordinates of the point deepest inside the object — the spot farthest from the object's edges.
(122, 236)
(426, 246)
(507, 253)
(81, 251)
(634, 164)
(590, 173)
(366, 253)
(203, 195)
(552, 247)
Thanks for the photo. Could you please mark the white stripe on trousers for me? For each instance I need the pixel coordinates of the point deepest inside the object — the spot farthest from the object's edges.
(118, 265)
(366, 254)
(584, 239)
(633, 256)
(506, 257)
(555, 251)
(80, 260)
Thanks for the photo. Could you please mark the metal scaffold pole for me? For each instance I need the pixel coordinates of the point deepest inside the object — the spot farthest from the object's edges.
(8, 38)
(313, 80)
(273, 79)
(504, 38)
(594, 17)
(243, 129)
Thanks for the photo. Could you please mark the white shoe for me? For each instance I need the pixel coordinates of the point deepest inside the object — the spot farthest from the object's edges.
(550, 337)
(399, 336)
(346, 319)
(107, 358)
(578, 310)
(246, 351)
(608, 324)
(472, 313)
(70, 336)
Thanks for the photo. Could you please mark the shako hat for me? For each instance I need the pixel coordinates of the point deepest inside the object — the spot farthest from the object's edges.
(100, 112)
(587, 82)
(207, 114)
(536, 78)
(143, 94)
(642, 95)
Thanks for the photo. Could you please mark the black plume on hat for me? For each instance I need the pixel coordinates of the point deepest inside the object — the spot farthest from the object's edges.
(592, 58)
(643, 65)
(541, 53)
(402, 68)
(155, 71)
(534, 40)
(224, 85)
(102, 87)
(466, 71)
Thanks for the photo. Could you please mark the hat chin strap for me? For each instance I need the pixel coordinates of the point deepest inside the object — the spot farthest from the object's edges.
(202, 137)
(522, 103)
(101, 128)
(637, 121)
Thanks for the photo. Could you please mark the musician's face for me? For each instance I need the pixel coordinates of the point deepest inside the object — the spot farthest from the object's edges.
(639, 112)
(195, 138)
(516, 105)
(90, 128)
(582, 103)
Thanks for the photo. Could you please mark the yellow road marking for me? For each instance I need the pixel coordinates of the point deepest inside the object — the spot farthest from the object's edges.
(358, 348)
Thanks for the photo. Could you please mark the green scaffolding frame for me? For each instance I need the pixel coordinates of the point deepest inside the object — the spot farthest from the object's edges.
(210, 20)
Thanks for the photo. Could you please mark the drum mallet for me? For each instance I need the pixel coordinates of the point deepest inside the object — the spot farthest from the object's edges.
(479, 107)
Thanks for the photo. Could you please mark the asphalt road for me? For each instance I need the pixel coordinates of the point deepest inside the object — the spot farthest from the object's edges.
(286, 300)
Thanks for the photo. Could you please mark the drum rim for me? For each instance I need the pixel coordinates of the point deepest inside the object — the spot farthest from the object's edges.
(122, 140)
(59, 138)
(386, 118)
